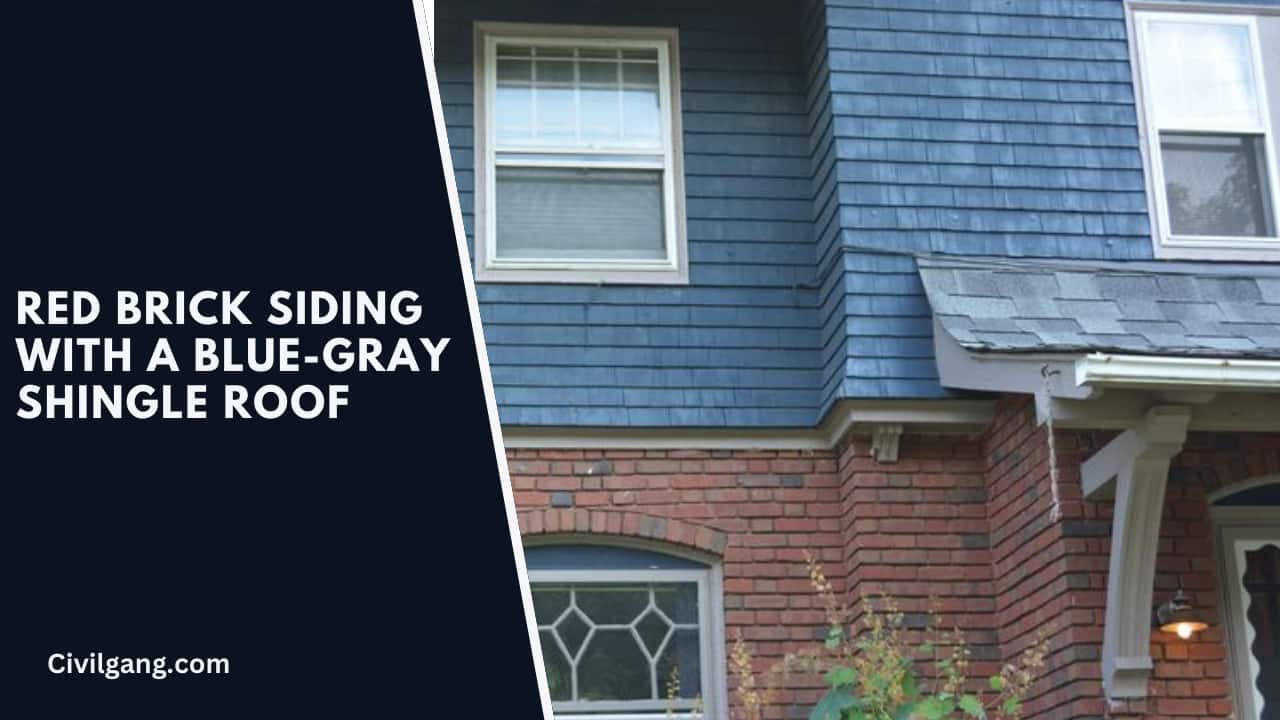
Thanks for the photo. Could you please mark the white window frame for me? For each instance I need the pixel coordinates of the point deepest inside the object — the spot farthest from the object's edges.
(672, 270)
(1238, 530)
(712, 657)
(1201, 247)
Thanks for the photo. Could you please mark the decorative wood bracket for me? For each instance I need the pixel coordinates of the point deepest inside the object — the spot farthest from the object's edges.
(1134, 468)
(884, 442)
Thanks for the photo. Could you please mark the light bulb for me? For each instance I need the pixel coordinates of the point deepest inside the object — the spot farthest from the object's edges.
(1184, 630)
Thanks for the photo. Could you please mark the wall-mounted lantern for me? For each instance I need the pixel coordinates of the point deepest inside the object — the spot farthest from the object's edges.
(1179, 616)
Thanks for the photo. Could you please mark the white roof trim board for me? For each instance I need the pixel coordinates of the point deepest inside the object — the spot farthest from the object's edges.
(1100, 369)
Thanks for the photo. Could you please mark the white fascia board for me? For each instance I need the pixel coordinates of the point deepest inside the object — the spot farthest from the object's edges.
(1027, 373)
(1140, 371)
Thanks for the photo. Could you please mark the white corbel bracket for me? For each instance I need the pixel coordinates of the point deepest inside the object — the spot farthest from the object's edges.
(884, 442)
(1134, 468)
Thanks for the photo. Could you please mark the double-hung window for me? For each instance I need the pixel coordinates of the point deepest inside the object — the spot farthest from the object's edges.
(578, 164)
(1211, 146)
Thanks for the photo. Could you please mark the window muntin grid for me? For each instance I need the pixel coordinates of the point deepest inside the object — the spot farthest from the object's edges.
(593, 97)
(656, 628)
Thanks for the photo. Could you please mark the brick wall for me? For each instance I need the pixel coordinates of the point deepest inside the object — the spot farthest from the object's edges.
(769, 507)
(965, 520)
(916, 530)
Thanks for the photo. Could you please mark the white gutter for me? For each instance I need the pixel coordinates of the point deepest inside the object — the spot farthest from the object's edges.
(1142, 371)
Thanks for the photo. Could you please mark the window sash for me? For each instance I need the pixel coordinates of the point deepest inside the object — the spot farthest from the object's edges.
(612, 156)
(597, 709)
(1156, 127)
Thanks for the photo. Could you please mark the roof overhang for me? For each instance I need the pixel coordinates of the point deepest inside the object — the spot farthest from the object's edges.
(1092, 390)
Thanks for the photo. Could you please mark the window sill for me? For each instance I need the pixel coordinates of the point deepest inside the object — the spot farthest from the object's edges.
(583, 275)
(1222, 249)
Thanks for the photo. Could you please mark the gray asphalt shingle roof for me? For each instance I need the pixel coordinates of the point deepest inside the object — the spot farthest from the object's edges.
(1143, 307)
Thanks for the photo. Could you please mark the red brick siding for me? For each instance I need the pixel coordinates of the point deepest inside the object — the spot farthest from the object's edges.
(769, 507)
(916, 530)
(964, 520)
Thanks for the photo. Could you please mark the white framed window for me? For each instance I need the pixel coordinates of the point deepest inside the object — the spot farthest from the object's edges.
(578, 166)
(628, 633)
(1210, 143)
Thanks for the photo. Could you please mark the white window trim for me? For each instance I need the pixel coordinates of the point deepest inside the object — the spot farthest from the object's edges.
(1239, 530)
(1167, 245)
(674, 269)
(712, 654)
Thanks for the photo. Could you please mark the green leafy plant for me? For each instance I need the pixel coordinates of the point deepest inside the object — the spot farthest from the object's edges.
(873, 670)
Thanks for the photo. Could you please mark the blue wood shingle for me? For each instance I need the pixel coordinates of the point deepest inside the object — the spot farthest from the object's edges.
(825, 142)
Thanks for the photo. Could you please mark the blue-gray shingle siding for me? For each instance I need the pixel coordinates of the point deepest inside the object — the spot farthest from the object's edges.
(825, 142)
(738, 346)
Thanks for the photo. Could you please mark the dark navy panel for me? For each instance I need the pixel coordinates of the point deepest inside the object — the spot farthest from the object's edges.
(603, 557)
(1265, 495)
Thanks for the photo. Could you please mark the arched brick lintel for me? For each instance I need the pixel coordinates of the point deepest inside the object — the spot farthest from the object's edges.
(623, 524)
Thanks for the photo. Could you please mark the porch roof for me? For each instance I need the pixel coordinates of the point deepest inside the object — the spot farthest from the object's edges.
(1006, 305)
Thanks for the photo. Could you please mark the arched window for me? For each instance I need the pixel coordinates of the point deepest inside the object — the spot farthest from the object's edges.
(1247, 521)
(628, 631)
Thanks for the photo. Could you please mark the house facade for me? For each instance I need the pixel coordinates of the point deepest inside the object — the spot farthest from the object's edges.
(974, 300)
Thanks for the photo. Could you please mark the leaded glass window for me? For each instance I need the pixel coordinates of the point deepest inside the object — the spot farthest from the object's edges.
(622, 631)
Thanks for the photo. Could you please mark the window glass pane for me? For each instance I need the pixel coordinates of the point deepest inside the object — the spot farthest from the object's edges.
(601, 116)
(653, 629)
(555, 119)
(578, 214)
(1201, 74)
(642, 74)
(681, 659)
(613, 606)
(514, 50)
(614, 668)
(678, 602)
(599, 72)
(557, 667)
(598, 53)
(640, 119)
(554, 73)
(514, 113)
(515, 73)
(590, 97)
(572, 630)
(1217, 185)
(550, 603)
(640, 54)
